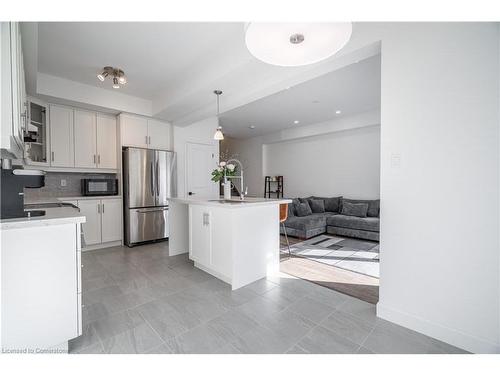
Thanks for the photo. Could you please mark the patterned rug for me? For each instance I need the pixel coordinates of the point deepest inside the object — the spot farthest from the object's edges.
(347, 253)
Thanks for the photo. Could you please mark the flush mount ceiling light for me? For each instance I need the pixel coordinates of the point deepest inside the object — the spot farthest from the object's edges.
(116, 74)
(296, 121)
(218, 136)
(338, 112)
(296, 44)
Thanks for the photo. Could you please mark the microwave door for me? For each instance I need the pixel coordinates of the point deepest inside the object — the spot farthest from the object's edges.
(165, 177)
(139, 170)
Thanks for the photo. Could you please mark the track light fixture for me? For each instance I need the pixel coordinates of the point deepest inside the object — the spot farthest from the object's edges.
(116, 74)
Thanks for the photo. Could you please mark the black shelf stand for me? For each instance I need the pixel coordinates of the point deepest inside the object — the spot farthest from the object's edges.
(271, 182)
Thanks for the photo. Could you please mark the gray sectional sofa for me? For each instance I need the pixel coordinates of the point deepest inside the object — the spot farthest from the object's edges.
(311, 216)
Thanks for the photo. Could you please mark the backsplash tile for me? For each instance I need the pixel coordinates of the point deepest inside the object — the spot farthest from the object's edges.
(53, 186)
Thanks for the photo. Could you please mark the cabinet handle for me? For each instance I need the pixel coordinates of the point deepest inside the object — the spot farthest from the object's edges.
(94, 159)
(146, 139)
(149, 139)
(98, 208)
(52, 155)
(103, 208)
(99, 159)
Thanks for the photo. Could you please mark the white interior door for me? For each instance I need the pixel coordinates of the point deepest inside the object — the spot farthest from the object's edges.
(61, 137)
(85, 139)
(200, 162)
(111, 220)
(91, 208)
(106, 141)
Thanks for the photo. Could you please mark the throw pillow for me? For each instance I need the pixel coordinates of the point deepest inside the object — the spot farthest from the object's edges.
(355, 209)
(331, 204)
(303, 209)
(291, 210)
(373, 206)
(317, 205)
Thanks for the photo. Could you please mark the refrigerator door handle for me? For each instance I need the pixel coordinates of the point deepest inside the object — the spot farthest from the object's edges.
(152, 181)
(157, 178)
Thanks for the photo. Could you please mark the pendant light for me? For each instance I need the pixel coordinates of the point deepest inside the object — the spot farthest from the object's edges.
(296, 44)
(218, 136)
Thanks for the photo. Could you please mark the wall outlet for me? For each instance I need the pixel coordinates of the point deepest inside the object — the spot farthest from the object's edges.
(63, 182)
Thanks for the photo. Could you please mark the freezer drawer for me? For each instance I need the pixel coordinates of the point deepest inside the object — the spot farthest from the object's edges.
(146, 224)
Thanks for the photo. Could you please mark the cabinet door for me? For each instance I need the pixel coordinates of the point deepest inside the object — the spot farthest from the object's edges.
(61, 137)
(85, 139)
(134, 131)
(91, 208)
(106, 142)
(111, 220)
(200, 241)
(159, 135)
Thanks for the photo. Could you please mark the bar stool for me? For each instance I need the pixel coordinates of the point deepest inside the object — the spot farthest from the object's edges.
(283, 217)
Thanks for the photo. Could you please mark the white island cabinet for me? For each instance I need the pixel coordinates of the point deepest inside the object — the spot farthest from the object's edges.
(41, 304)
(237, 242)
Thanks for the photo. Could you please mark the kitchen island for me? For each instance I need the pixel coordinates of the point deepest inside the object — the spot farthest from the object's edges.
(235, 241)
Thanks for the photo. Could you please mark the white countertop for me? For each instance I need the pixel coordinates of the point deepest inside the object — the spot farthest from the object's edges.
(234, 203)
(53, 216)
(64, 199)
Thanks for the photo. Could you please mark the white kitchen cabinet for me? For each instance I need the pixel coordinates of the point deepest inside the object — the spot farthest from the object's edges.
(134, 131)
(40, 282)
(85, 139)
(200, 248)
(145, 132)
(61, 136)
(13, 104)
(106, 141)
(159, 135)
(111, 210)
(104, 220)
(91, 208)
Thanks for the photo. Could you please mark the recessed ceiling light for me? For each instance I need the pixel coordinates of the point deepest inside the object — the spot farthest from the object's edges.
(295, 44)
(296, 121)
(252, 126)
(338, 112)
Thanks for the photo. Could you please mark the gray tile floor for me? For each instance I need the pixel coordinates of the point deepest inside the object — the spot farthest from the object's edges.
(140, 300)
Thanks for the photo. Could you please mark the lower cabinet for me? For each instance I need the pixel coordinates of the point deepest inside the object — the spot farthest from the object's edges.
(104, 220)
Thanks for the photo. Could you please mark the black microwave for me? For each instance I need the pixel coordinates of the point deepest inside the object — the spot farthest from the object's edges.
(99, 186)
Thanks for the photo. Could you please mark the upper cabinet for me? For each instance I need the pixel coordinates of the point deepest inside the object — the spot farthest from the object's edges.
(36, 134)
(13, 103)
(61, 136)
(145, 132)
(82, 139)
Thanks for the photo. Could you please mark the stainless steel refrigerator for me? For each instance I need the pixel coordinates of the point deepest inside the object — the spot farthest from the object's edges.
(149, 181)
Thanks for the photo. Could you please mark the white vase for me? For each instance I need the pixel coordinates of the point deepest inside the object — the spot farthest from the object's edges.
(227, 190)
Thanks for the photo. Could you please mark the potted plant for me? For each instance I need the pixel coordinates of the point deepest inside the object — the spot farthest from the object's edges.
(223, 170)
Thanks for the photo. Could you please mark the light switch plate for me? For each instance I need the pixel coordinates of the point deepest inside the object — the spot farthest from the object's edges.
(63, 182)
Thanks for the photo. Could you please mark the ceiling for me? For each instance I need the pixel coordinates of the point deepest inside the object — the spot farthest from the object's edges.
(172, 67)
(352, 90)
(154, 55)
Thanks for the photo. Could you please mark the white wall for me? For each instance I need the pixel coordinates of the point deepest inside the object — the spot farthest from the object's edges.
(199, 132)
(342, 163)
(440, 258)
(251, 152)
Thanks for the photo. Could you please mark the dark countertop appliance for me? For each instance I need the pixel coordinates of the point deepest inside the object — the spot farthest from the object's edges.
(99, 186)
(12, 197)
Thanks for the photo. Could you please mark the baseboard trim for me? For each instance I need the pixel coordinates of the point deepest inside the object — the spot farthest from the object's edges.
(451, 336)
(102, 245)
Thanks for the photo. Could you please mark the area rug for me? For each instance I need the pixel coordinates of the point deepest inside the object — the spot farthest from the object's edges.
(350, 254)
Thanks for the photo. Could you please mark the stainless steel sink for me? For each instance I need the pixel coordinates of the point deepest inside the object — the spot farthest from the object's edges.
(228, 201)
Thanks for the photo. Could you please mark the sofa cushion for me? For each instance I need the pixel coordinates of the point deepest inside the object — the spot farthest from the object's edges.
(317, 205)
(354, 209)
(303, 209)
(353, 222)
(331, 204)
(373, 206)
(306, 222)
(294, 204)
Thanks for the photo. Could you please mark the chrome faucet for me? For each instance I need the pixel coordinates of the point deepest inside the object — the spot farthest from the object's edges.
(242, 190)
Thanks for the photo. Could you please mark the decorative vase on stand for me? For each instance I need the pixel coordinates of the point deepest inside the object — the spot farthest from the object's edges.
(227, 189)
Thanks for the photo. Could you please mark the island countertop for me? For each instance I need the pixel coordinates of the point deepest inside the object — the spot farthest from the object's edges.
(232, 203)
(53, 216)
